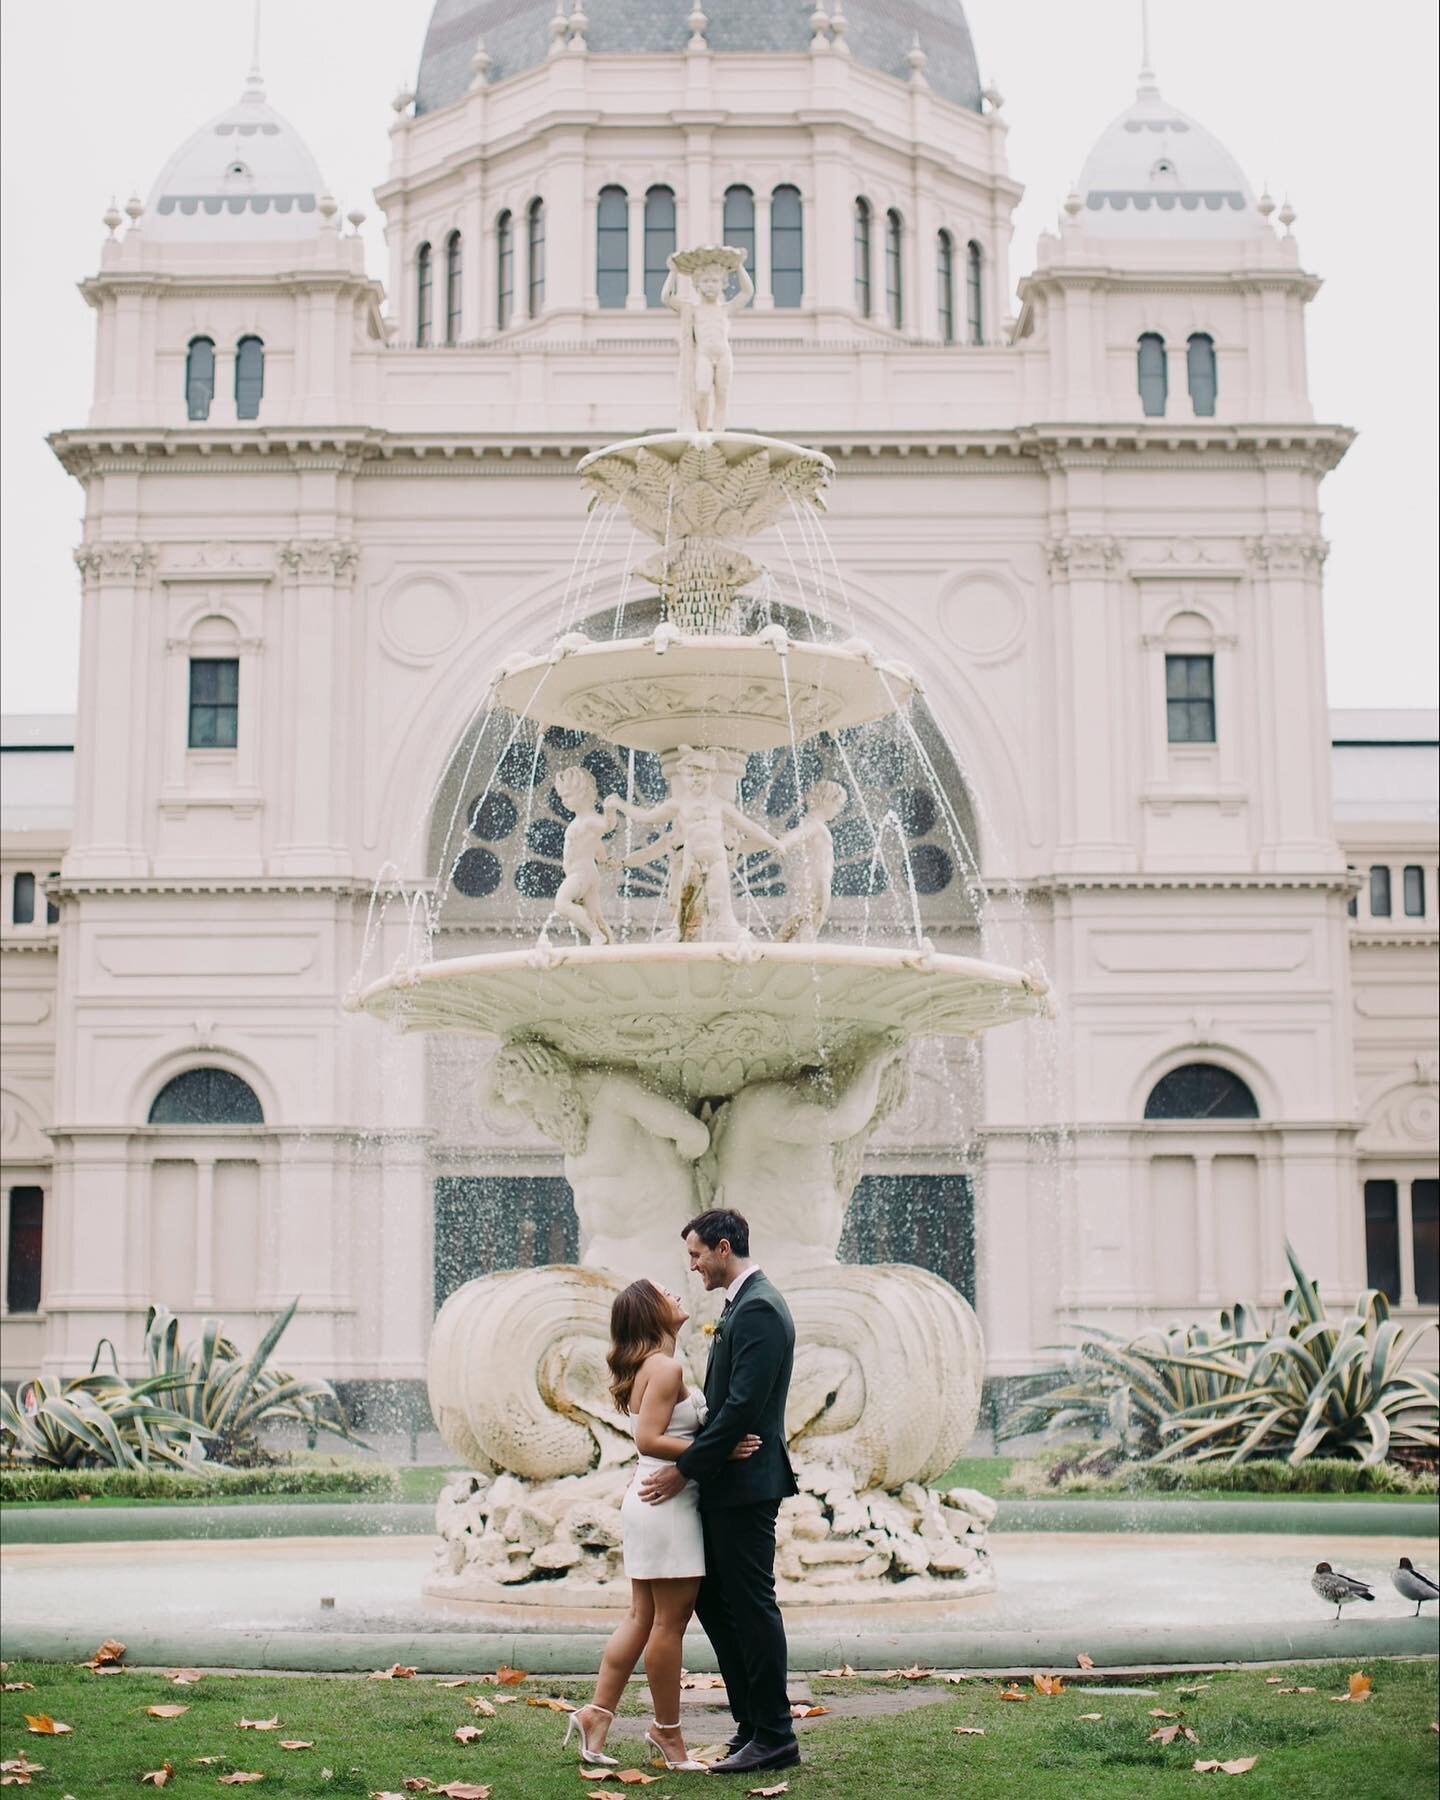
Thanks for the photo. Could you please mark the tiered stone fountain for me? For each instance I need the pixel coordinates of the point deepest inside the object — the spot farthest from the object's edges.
(705, 1061)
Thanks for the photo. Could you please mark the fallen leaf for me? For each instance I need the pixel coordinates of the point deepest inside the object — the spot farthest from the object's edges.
(44, 1726)
(20, 1765)
(111, 1651)
(972, 1730)
(1241, 1765)
(14, 1781)
(1306, 1690)
(396, 1672)
(508, 1677)
(416, 1784)
(158, 1777)
(390, 1794)
(19, 1687)
(843, 1673)
(1084, 1662)
(634, 1777)
(481, 1705)
(769, 1793)
(549, 1701)
(1159, 1712)
(713, 1681)
(259, 1724)
(1089, 1716)
(1167, 1734)
(459, 1681)
(1287, 1690)
(1013, 1693)
(954, 1680)
(241, 1778)
(166, 1712)
(469, 1734)
(184, 1677)
(297, 1743)
(801, 1711)
(913, 1673)
(206, 1761)
(1270, 1678)
(594, 1774)
(1048, 1684)
(464, 1790)
(507, 1699)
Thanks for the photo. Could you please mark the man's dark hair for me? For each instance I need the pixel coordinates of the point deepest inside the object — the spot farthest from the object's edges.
(720, 1222)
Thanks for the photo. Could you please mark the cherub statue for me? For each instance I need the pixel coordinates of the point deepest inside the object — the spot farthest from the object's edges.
(578, 899)
(811, 851)
(706, 361)
(702, 827)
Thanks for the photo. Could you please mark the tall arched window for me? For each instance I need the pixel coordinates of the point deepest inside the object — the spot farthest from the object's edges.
(504, 270)
(1200, 367)
(894, 268)
(206, 1097)
(249, 377)
(659, 240)
(612, 247)
(1201, 1091)
(739, 230)
(862, 257)
(787, 246)
(945, 284)
(1154, 382)
(424, 295)
(535, 256)
(974, 294)
(454, 278)
(199, 378)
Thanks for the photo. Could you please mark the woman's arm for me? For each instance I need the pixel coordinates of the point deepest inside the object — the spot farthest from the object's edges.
(664, 1386)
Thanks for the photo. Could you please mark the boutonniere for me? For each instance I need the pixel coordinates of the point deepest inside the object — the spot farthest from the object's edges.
(715, 1330)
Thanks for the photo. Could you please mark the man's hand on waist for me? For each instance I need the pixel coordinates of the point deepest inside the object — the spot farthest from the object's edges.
(662, 1484)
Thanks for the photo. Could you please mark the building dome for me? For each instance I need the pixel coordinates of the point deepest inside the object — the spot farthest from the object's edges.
(243, 177)
(516, 35)
(1156, 173)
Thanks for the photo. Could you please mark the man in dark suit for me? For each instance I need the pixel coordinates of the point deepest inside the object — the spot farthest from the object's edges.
(747, 1381)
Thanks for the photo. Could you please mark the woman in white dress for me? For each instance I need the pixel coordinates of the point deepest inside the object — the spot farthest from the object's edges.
(664, 1546)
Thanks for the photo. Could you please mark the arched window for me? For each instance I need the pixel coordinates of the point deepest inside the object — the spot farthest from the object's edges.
(454, 278)
(504, 270)
(199, 378)
(862, 257)
(787, 246)
(535, 256)
(739, 231)
(206, 1097)
(945, 284)
(1201, 1091)
(659, 241)
(894, 277)
(974, 294)
(612, 247)
(1200, 367)
(249, 377)
(424, 295)
(1154, 382)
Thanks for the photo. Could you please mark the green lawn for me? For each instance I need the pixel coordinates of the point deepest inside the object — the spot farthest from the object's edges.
(372, 1736)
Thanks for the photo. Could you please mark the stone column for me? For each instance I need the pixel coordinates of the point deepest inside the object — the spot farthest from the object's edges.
(764, 300)
(110, 750)
(1090, 835)
(317, 598)
(635, 301)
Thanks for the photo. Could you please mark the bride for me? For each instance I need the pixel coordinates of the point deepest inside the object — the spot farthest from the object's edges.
(664, 1547)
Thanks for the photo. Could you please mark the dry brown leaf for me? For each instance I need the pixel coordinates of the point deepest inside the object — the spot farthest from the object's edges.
(701, 1681)
(1013, 1693)
(259, 1724)
(508, 1677)
(507, 1699)
(158, 1777)
(549, 1701)
(1306, 1690)
(954, 1680)
(479, 1704)
(166, 1712)
(1085, 1717)
(20, 1765)
(801, 1711)
(417, 1784)
(843, 1673)
(594, 1774)
(184, 1677)
(464, 1790)
(1240, 1765)
(241, 1778)
(968, 1730)
(913, 1673)
(19, 1687)
(634, 1777)
(781, 1787)
(1082, 1661)
(1361, 1686)
(297, 1743)
(1167, 1734)
(458, 1681)
(111, 1651)
(396, 1672)
(205, 1762)
(14, 1781)
(1272, 1678)
(1159, 1712)
(44, 1726)
(469, 1734)
(1048, 1684)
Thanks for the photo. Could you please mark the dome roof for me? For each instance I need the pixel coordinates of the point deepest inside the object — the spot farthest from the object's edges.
(245, 176)
(517, 37)
(1156, 173)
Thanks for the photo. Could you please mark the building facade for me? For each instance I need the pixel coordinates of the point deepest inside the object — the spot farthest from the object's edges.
(320, 511)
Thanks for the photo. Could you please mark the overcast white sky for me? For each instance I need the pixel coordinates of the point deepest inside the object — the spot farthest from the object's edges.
(1326, 101)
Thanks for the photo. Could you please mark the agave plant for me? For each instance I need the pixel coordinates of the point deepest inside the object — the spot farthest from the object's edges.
(1305, 1386)
(98, 1419)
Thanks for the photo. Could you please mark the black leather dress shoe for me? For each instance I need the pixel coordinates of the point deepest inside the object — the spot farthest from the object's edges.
(758, 1756)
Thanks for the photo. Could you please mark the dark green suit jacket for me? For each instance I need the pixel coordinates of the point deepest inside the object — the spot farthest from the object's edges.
(747, 1382)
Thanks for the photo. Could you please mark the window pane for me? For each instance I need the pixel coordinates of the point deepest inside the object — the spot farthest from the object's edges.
(739, 231)
(52, 909)
(1382, 1239)
(1153, 376)
(1201, 1091)
(862, 258)
(787, 247)
(1189, 699)
(612, 247)
(974, 301)
(214, 702)
(504, 270)
(894, 279)
(1379, 892)
(536, 258)
(206, 1097)
(454, 289)
(659, 241)
(249, 377)
(27, 1230)
(424, 294)
(1414, 892)
(945, 285)
(199, 378)
(1200, 369)
(1425, 1220)
(22, 899)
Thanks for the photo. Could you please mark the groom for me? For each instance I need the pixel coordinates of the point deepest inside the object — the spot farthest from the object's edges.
(746, 1384)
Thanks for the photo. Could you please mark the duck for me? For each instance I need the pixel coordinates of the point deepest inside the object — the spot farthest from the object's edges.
(1408, 1580)
(1338, 1590)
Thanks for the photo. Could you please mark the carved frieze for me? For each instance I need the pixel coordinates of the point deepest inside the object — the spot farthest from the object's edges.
(1083, 557)
(131, 561)
(320, 558)
(1287, 553)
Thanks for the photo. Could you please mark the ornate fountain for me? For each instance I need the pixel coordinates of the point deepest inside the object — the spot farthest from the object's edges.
(705, 1061)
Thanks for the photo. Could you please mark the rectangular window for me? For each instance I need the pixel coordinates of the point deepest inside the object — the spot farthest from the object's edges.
(1414, 892)
(1382, 1238)
(1190, 699)
(22, 899)
(1352, 905)
(52, 907)
(1425, 1221)
(214, 702)
(27, 1224)
(1379, 892)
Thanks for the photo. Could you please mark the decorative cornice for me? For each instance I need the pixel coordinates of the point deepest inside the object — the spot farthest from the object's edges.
(142, 887)
(311, 558)
(1416, 938)
(1287, 552)
(130, 562)
(1320, 881)
(38, 946)
(1069, 557)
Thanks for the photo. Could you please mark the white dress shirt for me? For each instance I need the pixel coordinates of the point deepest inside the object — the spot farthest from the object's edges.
(739, 1282)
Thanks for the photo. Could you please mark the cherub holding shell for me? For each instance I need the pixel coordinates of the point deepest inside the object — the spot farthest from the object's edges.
(578, 899)
(706, 360)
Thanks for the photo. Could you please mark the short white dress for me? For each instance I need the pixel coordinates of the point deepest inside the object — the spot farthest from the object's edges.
(665, 1542)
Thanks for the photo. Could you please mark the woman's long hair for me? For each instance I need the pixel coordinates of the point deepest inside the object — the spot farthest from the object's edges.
(640, 1322)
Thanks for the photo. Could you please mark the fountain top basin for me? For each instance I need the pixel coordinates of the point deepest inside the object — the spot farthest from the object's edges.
(705, 1019)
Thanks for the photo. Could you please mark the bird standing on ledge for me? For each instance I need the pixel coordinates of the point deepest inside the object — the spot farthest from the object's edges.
(1338, 1590)
(1408, 1580)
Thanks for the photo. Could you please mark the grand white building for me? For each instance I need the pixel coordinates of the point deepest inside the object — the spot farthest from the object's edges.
(319, 509)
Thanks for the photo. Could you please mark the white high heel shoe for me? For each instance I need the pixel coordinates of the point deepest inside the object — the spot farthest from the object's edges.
(596, 1757)
(688, 1766)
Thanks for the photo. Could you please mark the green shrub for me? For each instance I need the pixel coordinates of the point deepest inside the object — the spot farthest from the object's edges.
(374, 1480)
(1081, 1470)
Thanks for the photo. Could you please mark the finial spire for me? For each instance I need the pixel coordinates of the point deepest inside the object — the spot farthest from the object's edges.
(254, 82)
(1146, 87)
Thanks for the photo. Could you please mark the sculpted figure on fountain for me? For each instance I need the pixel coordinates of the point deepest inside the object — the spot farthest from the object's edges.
(810, 853)
(577, 900)
(706, 360)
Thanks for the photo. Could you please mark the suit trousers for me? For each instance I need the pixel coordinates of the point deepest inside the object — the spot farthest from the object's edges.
(740, 1615)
